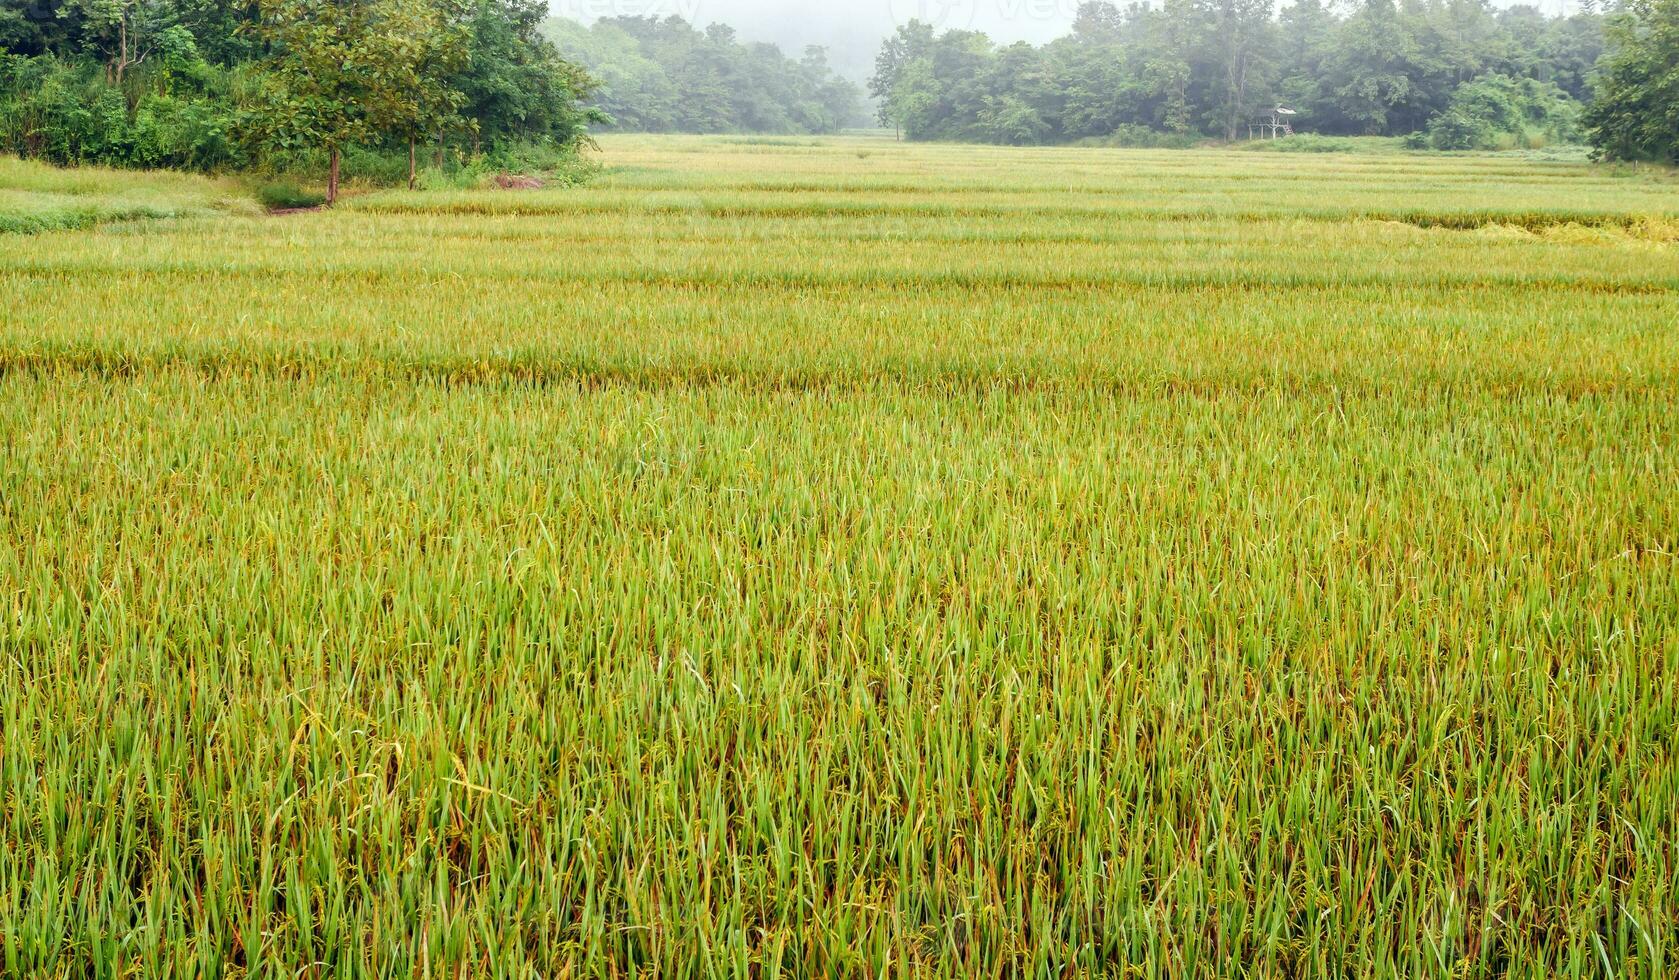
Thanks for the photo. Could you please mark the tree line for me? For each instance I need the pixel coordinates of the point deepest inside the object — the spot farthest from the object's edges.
(665, 76)
(227, 84)
(1453, 74)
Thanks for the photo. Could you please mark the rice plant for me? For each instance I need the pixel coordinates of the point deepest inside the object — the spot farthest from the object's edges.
(780, 561)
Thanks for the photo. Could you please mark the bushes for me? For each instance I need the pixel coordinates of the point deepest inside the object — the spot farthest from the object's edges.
(67, 113)
(183, 134)
(1317, 143)
(185, 116)
(359, 165)
(388, 167)
(287, 196)
(1138, 137)
(1497, 112)
(1636, 115)
(1456, 129)
(556, 164)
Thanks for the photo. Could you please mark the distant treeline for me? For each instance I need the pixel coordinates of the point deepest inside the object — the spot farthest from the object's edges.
(1455, 74)
(664, 76)
(227, 84)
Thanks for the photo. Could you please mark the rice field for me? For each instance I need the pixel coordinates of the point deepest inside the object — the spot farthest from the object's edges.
(845, 558)
(35, 198)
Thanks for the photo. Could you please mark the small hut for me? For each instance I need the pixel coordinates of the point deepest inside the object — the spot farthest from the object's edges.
(1279, 124)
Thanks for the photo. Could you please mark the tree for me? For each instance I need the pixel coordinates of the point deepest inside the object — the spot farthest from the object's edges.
(1570, 54)
(1099, 22)
(636, 91)
(1174, 39)
(1636, 115)
(125, 30)
(1244, 43)
(126, 34)
(915, 101)
(826, 103)
(912, 43)
(662, 75)
(1307, 33)
(210, 84)
(1372, 78)
(320, 78)
(414, 51)
(515, 84)
(1496, 110)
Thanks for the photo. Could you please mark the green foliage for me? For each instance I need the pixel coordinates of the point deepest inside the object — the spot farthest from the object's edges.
(1213, 67)
(1140, 137)
(1317, 143)
(180, 84)
(901, 55)
(285, 195)
(556, 165)
(551, 166)
(1455, 129)
(516, 85)
(1500, 112)
(342, 72)
(1636, 115)
(174, 112)
(420, 48)
(664, 76)
(1011, 121)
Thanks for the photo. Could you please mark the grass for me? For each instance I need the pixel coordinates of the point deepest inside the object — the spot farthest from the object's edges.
(287, 196)
(774, 561)
(36, 198)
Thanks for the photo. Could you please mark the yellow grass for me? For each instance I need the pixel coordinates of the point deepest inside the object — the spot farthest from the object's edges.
(851, 558)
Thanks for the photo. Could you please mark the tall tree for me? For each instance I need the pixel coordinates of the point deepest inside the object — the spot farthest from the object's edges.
(1370, 78)
(1098, 21)
(912, 42)
(1636, 115)
(1176, 38)
(516, 85)
(1244, 40)
(415, 50)
(125, 30)
(1306, 36)
(319, 79)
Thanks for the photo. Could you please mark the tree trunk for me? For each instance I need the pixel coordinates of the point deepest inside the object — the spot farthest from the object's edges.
(412, 173)
(332, 178)
(440, 149)
(122, 48)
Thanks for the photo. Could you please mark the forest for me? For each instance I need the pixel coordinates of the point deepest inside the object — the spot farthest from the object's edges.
(218, 85)
(382, 88)
(666, 76)
(1448, 74)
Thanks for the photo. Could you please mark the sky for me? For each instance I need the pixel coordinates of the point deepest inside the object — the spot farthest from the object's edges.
(851, 29)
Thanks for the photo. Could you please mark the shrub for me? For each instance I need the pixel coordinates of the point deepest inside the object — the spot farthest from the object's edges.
(68, 113)
(1635, 115)
(287, 196)
(1134, 136)
(1316, 143)
(1456, 129)
(560, 163)
(1497, 112)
